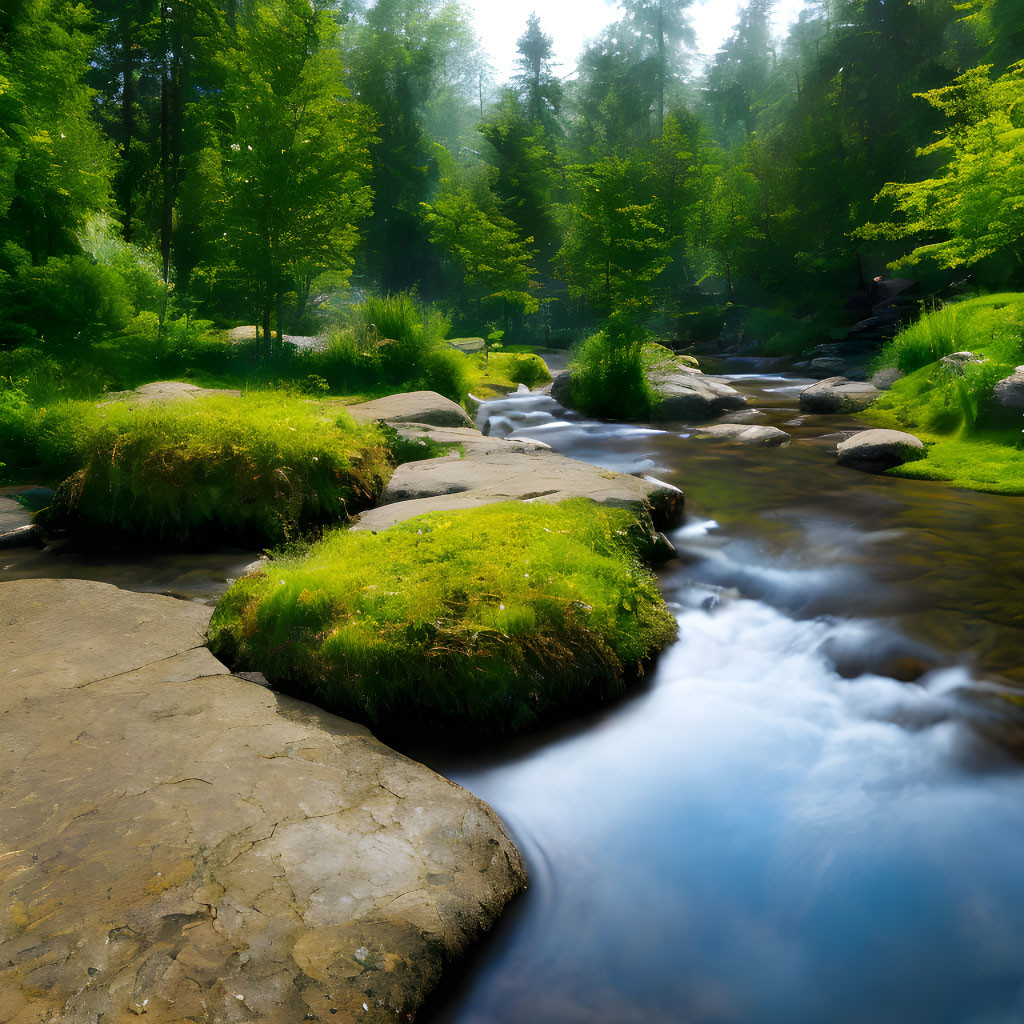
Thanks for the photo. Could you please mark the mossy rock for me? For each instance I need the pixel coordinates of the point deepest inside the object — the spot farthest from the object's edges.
(481, 621)
(259, 469)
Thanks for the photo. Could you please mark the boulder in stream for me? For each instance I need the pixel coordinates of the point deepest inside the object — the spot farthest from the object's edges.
(752, 435)
(838, 395)
(687, 394)
(875, 451)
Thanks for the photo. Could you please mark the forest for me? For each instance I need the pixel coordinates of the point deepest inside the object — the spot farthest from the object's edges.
(629, 449)
(169, 170)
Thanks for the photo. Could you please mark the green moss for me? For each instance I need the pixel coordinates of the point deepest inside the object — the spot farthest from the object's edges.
(257, 469)
(974, 463)
(492, 618)
(504, 371)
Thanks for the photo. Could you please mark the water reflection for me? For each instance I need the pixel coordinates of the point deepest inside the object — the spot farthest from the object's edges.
(779, 829)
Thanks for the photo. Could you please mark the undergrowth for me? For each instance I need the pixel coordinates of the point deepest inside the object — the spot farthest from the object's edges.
(971, 442)
(490, 618)
(609, 373)
(258, 469)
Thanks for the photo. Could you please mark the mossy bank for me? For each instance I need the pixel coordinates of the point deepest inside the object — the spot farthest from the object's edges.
(488, 620)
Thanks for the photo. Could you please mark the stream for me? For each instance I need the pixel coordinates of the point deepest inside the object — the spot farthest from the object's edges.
(774, 827)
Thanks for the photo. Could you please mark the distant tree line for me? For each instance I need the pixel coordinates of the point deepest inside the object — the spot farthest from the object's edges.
(233, 159)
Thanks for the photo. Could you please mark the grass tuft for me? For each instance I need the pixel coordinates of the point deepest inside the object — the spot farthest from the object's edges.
(257, 469)
(491, 618)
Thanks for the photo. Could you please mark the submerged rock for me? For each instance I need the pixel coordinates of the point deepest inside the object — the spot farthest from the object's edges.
(741, 433)
(838, 394)
(183, 844)
(878, 450)
(412, 407)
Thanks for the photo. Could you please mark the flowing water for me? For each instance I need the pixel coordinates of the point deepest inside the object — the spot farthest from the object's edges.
(775, 829)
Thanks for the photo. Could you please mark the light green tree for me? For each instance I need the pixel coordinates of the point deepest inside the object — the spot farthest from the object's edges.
(296, 156)
(615, 247)
(974, 207)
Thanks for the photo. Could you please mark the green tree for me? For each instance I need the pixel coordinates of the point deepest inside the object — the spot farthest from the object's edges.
(494, 266)
(54, 164)
(973, 209)
(538, 87)
(614, 247)
(296, 156)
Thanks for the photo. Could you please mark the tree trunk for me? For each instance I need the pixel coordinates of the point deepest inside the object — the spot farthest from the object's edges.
(165, 146)
(128, 122)
(661, 68)
(266, 333)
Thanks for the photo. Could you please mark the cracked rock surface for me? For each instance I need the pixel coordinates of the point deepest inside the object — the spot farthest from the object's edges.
(450, 482)
(181, 843)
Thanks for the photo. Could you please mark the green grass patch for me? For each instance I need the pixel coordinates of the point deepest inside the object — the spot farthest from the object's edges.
(257, 469)
(610, 373)
(990, 324)
(491, 618)
(504, 371)
(970, 443)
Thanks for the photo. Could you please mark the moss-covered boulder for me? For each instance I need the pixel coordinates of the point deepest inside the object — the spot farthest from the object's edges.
(257, 469)
(486, 620)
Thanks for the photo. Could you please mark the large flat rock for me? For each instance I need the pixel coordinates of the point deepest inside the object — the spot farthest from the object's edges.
(180, 843)
(455, 483)
(468, 439)
(412, 407)
(751, 435)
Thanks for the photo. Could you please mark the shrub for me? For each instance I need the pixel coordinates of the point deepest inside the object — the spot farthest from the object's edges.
(491, 618)
(256, 469)
(397, 332)
(609, 375)
(446, 372)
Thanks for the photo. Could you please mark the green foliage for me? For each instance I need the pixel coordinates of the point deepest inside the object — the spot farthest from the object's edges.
(493, 264)
(975, 325)
(974, 209)
(257, 469)
(490, 619)
(54, 164)
(609, 373)
(393, 340)
(993, 463)
(614, 246)
(296, 159)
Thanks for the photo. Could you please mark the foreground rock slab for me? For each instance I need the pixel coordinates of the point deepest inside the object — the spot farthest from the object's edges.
(875, 451)
(180, 843)
(412, 407)
(469, 439)
(451, 483)
(838, 394)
